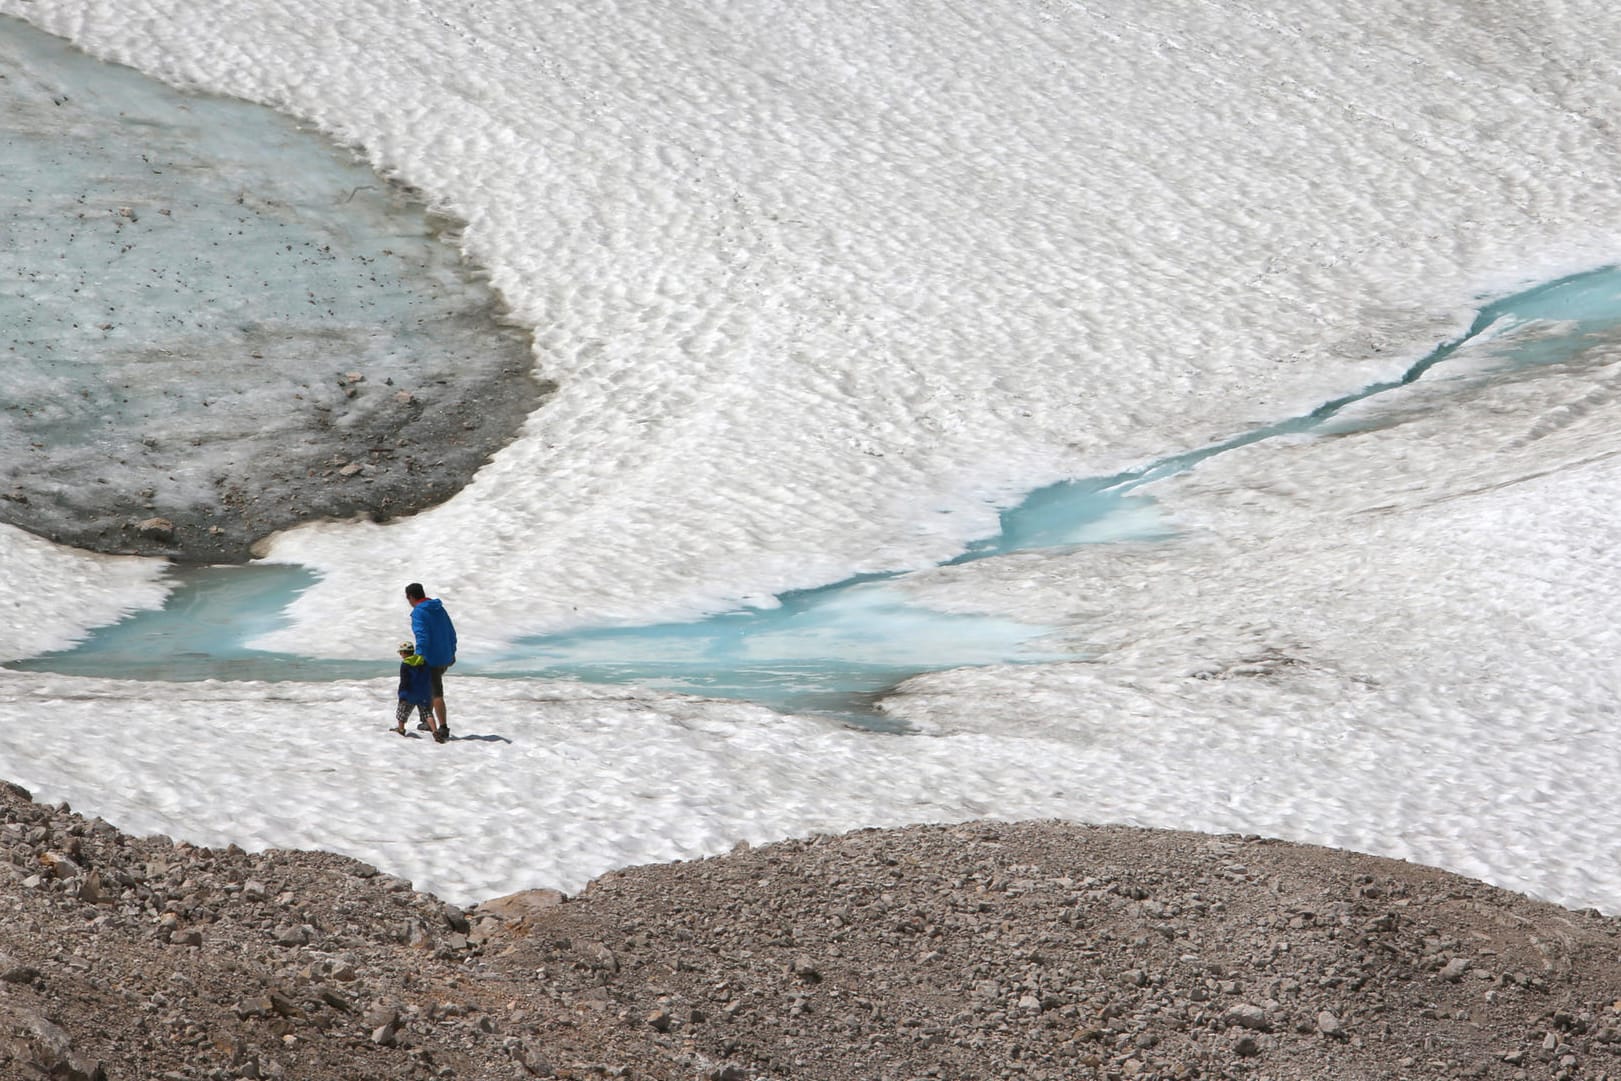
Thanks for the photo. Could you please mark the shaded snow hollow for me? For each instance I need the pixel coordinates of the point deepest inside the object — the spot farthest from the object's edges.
(217, 319)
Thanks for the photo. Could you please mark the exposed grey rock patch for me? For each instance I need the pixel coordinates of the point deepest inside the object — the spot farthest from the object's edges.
(214, 324)
(1035, 951)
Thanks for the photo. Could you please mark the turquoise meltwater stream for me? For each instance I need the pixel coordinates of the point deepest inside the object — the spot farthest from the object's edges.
(831, 650)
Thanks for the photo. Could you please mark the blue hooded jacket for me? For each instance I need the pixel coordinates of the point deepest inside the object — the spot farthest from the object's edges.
(435, 633)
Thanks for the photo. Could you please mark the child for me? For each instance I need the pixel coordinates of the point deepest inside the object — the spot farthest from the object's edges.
(416, 689)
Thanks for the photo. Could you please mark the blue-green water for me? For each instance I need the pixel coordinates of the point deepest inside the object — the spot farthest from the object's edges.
(832, 650)
(1548, 324)
(835, 649)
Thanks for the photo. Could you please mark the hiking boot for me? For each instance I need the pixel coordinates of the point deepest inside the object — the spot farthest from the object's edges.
(424, 726)
(443, 734)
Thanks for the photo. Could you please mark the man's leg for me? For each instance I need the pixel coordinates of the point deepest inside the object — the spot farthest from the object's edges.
(441, 730)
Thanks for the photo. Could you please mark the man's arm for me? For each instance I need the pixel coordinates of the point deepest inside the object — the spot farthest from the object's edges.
(419, 631)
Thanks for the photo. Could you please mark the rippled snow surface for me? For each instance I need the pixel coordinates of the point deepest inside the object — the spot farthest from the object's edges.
(824, 289)
(835, 650)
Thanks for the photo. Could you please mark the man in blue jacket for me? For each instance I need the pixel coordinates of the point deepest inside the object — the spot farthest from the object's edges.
(436, 642)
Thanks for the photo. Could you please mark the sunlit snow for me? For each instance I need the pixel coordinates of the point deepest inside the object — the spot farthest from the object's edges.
(825, 289)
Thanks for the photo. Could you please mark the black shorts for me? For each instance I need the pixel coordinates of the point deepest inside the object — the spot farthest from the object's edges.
(438, 675)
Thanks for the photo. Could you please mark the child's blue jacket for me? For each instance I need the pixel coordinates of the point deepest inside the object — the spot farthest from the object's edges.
(416, 682)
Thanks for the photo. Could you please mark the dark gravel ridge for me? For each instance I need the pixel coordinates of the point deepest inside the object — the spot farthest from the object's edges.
(1038, 950)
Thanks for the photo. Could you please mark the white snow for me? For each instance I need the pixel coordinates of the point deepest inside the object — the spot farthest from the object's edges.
(825, 284)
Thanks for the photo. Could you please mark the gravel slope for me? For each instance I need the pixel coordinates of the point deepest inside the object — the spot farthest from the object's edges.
(981, 950)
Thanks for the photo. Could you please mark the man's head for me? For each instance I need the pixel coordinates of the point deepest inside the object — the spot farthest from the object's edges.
(414, 592)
